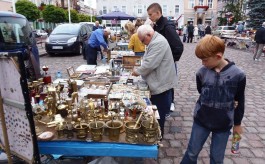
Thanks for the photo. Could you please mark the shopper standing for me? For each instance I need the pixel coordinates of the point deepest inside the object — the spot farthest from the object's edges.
(208, 30)
(196, 33)
(185, 33)
(158, 70)
(220, 83)
(190, 32)
(260, 40)
(168, 29)
(96, 26)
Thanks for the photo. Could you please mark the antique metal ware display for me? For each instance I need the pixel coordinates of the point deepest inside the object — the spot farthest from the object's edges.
(81, 129)
(132, 131)
(150, 131)
(62, 110)
(60, 130)
(114, 127)
(96, 128)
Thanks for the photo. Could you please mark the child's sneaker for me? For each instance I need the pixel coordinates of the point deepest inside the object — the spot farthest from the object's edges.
(172, 107)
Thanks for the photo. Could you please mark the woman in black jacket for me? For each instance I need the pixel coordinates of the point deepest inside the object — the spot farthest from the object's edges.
(208, 30)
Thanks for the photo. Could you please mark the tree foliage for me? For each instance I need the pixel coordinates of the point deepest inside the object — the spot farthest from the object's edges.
(74, 16)
(28, 9)
(83, 18)
(235, 10)
(256, 13)
(53, 14)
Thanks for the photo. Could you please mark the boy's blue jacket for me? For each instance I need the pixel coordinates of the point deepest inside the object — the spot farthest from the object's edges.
(215, 108)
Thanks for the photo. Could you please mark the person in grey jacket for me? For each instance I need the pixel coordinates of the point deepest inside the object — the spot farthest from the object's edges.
(158, 70)
(260, 40)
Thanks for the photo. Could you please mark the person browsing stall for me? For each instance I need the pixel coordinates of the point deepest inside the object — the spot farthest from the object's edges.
(168, 29)
(158, 70)
(96, 40)
(134, 44)
(220, 83)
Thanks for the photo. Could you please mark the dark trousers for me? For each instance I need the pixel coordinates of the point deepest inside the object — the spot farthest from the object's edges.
(163, 102)
(91, 55)
(190, 37)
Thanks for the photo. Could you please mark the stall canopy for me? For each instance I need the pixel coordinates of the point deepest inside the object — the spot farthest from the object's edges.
(117, 15)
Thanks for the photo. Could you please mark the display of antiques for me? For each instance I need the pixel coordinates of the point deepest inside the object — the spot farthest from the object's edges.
(94, 108)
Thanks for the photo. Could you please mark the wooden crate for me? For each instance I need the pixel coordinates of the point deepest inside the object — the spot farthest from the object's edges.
(131, 61)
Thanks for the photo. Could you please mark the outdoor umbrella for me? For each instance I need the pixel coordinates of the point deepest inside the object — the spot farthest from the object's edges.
(117, 15)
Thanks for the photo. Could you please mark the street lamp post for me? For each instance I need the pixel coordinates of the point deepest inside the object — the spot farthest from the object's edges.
(69, 14)
(14, 6)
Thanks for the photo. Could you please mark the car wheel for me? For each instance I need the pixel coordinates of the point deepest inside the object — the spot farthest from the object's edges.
(80, 50)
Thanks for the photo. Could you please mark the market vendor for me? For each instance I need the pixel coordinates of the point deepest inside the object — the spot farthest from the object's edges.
(96, 40)
(158, 70)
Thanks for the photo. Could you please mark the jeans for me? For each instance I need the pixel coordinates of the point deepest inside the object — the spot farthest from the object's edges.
(139, 53)
(163, 102)
(198, 137)
(258, 51)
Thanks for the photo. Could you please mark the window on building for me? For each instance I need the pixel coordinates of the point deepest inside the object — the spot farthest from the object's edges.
(176, 9)
(164, 10)
(115, 8)
(200, 3)
(191, 3)
(123, 9)
(104, 11)
(210, 3)
(140, 9)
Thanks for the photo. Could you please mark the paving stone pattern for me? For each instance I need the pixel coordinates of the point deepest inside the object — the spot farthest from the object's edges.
(178, 126)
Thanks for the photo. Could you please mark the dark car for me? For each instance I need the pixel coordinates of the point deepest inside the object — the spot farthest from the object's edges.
(68, 38)
(16, 36)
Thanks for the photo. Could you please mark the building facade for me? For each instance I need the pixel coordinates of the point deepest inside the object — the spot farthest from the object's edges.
(200, 12)
(173, 9)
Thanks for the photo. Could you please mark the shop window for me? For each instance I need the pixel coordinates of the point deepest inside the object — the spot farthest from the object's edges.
(191, 4)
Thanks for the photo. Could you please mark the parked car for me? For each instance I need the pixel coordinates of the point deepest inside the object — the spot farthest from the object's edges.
(17, 37)
(41, 33)
(68, 38)
(224, 31)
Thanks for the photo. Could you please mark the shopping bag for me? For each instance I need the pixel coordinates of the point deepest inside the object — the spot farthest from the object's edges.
(184, 38)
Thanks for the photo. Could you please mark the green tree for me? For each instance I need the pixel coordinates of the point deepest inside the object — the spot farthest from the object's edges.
(83, 18)
(28, 9)
(53, 14)
(256, 13)
(74, 16)
(234, 8)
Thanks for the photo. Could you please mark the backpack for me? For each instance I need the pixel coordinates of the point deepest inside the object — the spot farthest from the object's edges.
(174, 41)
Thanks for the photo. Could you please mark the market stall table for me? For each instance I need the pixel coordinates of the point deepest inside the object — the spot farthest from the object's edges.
(83, 148)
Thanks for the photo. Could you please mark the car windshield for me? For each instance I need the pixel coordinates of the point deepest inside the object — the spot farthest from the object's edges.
(71, 29)
(14, 32)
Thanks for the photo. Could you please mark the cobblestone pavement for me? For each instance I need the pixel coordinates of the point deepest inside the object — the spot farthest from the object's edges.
(178, 126)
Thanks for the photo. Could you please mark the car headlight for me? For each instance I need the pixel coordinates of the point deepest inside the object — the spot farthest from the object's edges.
(47, 40)
(72, 40)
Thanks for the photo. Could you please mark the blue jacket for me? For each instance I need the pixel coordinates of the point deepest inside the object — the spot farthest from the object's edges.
(97, 38)
(215, 108)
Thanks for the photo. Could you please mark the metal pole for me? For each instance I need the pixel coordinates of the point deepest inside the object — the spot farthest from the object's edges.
(69, 14)
(91, 14)
(3, 122)
(14, 6)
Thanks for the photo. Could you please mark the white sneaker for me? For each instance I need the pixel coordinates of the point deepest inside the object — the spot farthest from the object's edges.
(3, 156)
(257, 59)
(172, 107)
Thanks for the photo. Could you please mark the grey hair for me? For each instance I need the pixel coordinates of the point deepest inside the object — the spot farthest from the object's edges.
(107, 30)
(144, 30)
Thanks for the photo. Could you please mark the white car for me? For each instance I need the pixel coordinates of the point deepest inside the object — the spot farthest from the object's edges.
(224, 31)
(41, 33)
